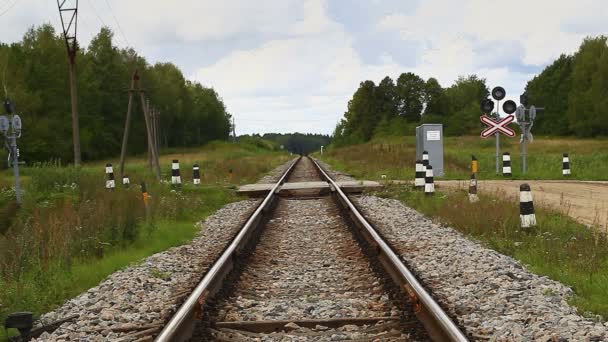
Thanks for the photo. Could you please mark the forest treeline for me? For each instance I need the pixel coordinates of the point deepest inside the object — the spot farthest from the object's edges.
(37, 80)
(573, 90)
(293, 142)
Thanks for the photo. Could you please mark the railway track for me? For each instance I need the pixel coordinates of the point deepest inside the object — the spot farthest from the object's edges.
(309, 269)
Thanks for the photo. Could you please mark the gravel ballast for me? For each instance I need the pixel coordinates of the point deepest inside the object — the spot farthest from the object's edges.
(492, 296)
(136, 301)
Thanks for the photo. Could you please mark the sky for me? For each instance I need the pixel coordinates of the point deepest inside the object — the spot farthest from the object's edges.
(292, 65)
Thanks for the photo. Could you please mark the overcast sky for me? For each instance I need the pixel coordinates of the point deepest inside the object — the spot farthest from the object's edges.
(292, 65)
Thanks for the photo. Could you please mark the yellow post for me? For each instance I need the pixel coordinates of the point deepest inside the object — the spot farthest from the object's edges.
(474, 164)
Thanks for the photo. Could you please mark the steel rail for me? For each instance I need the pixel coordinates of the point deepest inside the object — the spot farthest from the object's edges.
(171, 331)
(437, 323)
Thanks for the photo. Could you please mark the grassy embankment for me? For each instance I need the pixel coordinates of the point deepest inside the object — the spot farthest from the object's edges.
(396, 158)
(559, 247)
(71, 233)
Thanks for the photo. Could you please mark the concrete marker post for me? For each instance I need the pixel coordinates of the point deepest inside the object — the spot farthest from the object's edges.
(196, 175)
(526, 207)
(506, 164)
(176, 179)
(420, 175)
(473, 189)
(429, 184)
(566, 165)
(110, 182)
(126, 181)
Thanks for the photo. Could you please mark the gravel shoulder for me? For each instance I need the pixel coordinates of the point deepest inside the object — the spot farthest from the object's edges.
(140, 298)
(489, 294)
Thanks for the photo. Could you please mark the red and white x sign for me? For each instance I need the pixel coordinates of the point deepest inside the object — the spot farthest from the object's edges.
(497, 126)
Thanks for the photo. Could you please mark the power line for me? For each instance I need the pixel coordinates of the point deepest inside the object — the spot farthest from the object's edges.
(9, 8)
(103, 23)
(118, 24)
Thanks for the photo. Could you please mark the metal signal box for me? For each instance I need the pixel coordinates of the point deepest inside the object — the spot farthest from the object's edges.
(429, 137)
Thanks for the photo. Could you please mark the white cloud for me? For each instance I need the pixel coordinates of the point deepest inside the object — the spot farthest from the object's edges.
(284, 65)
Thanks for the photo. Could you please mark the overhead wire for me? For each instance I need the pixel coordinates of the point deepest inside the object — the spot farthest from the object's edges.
(9, 8)
(103, 23)
(122, 33)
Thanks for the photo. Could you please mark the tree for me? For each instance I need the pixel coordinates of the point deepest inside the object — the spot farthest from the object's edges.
(37, 81)
(550, 90)
(587, 99)
(436, 102)
(410, 96)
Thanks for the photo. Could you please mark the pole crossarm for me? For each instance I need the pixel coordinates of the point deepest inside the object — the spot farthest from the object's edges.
(69, 30)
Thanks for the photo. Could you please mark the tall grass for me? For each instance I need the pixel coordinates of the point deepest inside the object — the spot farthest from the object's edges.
(71, 232)
(395, 157)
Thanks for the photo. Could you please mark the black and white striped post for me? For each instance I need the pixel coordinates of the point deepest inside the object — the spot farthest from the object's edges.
(425, 159)
(566, 165)
(506, 164)
(420, 174)
(526, 207)
(126, 181)
(110, 183)
(196, 175)
(176, 179)
(473, 189)
(429, 184)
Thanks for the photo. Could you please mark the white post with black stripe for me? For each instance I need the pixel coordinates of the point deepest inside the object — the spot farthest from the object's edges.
(425, 159)
(196, 175)
(526, 207)
(126, 181)
(176, 179)
(506, 164)
(420, 174)
(473, 189)
(110, 183)
(429, 184)
(566, 165)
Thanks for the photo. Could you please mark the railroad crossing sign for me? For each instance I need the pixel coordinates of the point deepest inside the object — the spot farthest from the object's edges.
(497, 126)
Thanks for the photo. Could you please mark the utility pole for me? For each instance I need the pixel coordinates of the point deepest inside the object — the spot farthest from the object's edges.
(69, 24)
(125, 136)
(151, 151)
(233, 130)
(148, 118)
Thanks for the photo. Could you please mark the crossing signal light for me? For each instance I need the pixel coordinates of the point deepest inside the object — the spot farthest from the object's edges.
(499, 93)
(509, 107)
(487, 106)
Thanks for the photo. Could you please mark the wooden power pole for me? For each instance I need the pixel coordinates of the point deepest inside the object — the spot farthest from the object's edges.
(151, 149)
(125, 136)
(146, 109)
(69, 24)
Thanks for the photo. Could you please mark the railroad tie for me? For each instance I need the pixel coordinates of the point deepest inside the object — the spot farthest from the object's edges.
(506, 164)
(110, 183)
(566, 165)
(526, 207)
(176, 179)
(429, 184)
(420, 174)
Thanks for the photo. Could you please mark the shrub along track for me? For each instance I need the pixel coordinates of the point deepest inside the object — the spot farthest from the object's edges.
(309, 276)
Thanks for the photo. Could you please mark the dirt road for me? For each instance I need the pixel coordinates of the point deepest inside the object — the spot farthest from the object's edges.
(586, 202)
